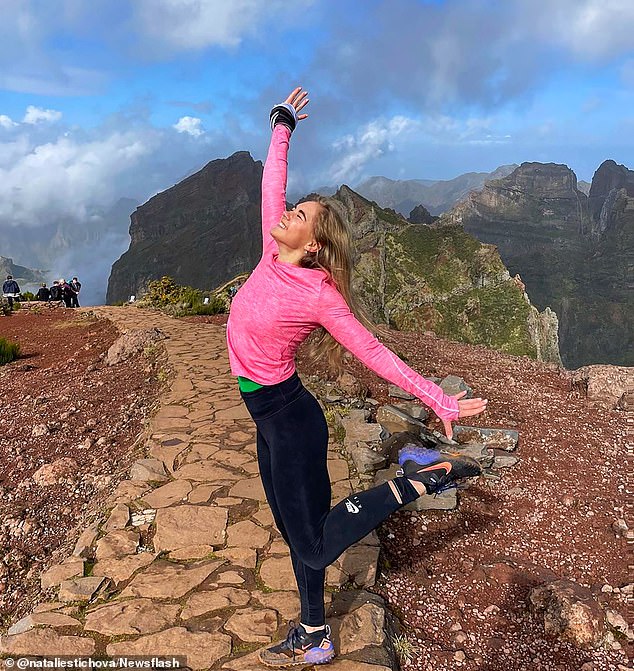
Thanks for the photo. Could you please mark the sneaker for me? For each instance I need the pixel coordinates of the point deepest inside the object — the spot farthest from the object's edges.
(438, 471)
(300, 648)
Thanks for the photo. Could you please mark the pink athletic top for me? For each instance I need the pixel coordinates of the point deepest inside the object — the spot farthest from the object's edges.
(281, 304)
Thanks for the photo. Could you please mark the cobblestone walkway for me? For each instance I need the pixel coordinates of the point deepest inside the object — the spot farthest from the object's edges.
(187, 561)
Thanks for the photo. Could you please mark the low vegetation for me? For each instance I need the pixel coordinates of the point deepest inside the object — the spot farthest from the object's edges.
(180, 301)
(9, 351)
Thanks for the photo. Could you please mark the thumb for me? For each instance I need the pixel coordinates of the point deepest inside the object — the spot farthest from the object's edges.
(460, 395)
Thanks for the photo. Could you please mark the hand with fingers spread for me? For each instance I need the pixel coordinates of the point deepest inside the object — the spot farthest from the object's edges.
(466, 408)
(288, 112)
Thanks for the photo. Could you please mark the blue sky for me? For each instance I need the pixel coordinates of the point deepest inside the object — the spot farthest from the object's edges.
(120, 98)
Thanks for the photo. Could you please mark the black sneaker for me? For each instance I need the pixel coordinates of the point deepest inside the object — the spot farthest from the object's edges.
(300, 648)
(438, 471)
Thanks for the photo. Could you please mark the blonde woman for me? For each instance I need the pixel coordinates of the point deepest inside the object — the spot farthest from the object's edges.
(303, 283)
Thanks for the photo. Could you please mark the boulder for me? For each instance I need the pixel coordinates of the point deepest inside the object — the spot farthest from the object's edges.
(604, 384)
(131, 343)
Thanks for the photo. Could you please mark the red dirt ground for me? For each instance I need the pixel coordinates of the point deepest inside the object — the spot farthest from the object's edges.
(60, 385)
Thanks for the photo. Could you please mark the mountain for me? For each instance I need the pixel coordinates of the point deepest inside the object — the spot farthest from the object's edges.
(584, 187)
(436, 195)
(575, 253)
(84, 246)
(27, 278)
(206, 229)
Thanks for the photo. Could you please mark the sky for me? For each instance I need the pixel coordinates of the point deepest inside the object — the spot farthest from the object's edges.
(123, 98)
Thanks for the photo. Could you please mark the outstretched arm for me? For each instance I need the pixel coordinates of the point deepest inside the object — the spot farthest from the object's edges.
(283, 120)
(335, 316)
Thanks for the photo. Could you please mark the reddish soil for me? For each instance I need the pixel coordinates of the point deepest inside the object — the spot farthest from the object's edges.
(449, 575)
(86, 412)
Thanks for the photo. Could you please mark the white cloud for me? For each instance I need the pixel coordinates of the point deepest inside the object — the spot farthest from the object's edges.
(34, 115)
(195, 24)
(190, 125)
(6, 122)
(370, 142)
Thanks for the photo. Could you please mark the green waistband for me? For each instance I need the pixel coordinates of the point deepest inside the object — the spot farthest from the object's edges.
(248, 385)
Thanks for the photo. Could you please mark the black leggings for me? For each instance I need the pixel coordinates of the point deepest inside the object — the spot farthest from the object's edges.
(292, 442)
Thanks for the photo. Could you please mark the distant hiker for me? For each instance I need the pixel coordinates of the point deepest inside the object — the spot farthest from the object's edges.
(10, 290)
(75, 285)
(56, 292)
(67, 292)
(302, 283)
(43, 293)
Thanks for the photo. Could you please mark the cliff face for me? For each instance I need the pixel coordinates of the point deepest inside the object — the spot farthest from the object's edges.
(25, 277)
(206, 230)
(439, 278)
(202, 231)
(572, 251)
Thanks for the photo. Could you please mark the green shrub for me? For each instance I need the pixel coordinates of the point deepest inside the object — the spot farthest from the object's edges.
(180, 301)
(28, 296)
(9, 351)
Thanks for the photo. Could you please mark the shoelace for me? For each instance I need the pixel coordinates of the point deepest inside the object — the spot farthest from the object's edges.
(293, 637)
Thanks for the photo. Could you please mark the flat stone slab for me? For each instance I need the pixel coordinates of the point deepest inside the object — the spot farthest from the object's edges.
(122, 569)
(244, 557)
(206, 471)
(186, 525)
(202, 650)
(117, 544)
(71, 568)
(148, 470)
(119, 518)
(250, 488)
(80, 589)
(206, 602)
(361, 628)
(246, 534)
(139, 616)
(164, 580)
(46, 642)
(278, 573)
(169, 494)
(46, 619)
(285, 603)
(191, 552)
(502, 439)
(253, 626)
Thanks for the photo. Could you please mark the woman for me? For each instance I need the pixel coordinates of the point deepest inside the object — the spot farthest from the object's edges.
(302, 283)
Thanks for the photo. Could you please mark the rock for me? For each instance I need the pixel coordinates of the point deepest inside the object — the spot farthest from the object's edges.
(200, 603)
(191, 552)
(47, 619)
(46, 642)
(504, 461)
(70, 568)
(253, 626)
(396, 392)
(165, 580)
(148, 470)
(61, 471)
(390, 448)
(117, 544)
(285, 603)
(40, 430)
(365, 459)
(120, 570)
(81, 589)
(570, 612)
(230, 578)
(84, 542)
(502, 439)
(361, 628)
(482, 454)
(169, 494)
(130, 343)
(604, 384)
(138, 616)
(452, 385)
(358, 430)
(187, 525)
(278, 573)
(395, 420)
(201, 649)
(249, 488)
(119, 518)
(248, 535)
(618, 622)
(244, 557)
(360, 563)
(350, 386)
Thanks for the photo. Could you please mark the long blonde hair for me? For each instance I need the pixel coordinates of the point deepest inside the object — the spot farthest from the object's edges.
(336, 258)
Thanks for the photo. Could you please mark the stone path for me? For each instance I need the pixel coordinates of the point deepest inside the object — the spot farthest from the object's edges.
(188, 561)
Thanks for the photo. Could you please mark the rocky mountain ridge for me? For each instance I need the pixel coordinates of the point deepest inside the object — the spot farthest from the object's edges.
(22, 274)
(206, 230)
(574, 252)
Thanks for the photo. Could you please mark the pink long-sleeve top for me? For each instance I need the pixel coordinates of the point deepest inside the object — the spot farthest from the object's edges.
(281, 304)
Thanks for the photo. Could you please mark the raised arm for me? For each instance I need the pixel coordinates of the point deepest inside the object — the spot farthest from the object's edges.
(284, 118)
(335, 316)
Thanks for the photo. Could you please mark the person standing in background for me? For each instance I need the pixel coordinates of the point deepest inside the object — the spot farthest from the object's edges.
(75, 285)
(43, 293)
(11, 290)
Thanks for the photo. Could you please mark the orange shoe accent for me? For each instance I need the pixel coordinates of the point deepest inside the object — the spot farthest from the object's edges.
(445, 464)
